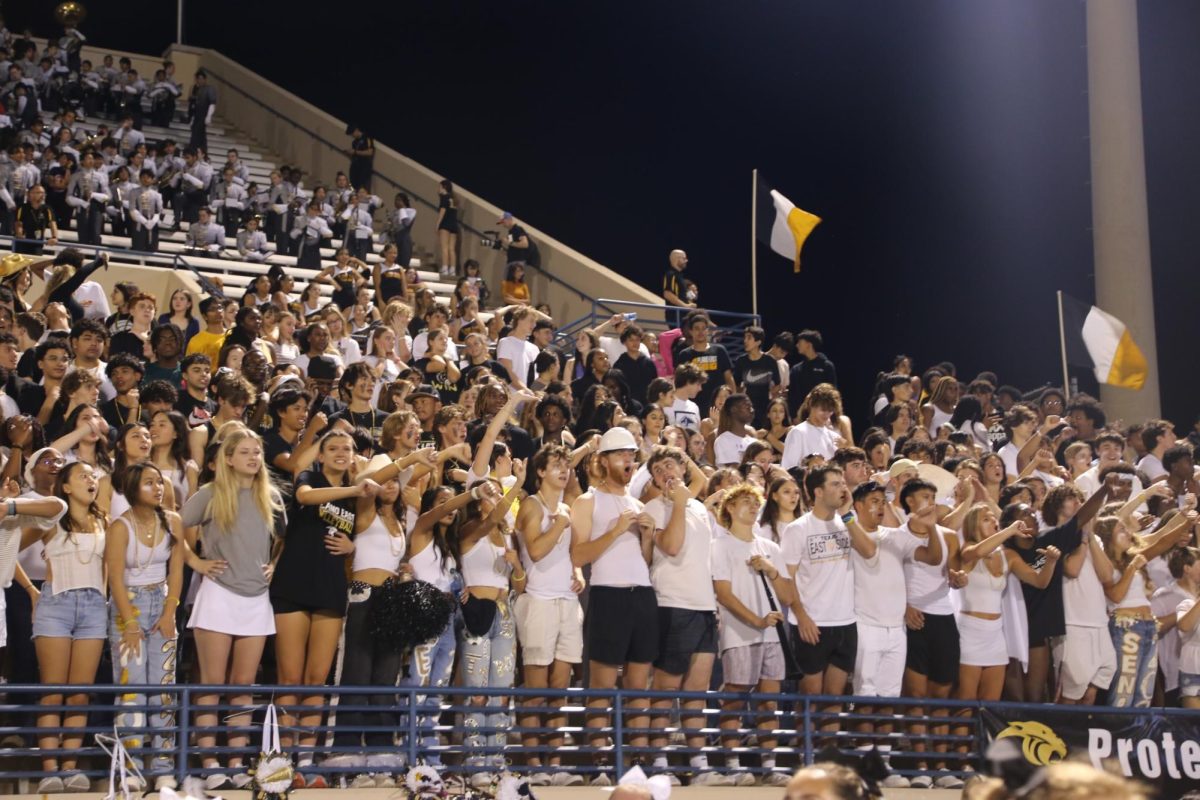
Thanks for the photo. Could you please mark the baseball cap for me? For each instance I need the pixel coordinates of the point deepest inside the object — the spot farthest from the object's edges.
(616, 439)
(505, 217)
(902, 466)
(424, 390)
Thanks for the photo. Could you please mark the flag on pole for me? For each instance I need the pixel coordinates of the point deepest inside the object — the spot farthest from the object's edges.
(1098, 341)
(780, 225)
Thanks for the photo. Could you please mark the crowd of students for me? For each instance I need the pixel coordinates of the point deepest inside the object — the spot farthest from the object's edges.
(254, 471)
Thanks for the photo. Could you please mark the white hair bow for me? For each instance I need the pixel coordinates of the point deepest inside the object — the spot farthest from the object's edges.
(659, 785)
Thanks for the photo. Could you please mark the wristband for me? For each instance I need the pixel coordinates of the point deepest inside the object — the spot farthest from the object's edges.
(12, 508)
(517, 577)
(172, 599)
(848, 518)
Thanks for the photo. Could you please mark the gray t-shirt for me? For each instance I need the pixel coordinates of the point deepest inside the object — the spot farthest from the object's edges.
(247, 547)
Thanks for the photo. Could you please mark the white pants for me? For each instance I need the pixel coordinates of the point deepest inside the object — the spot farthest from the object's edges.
(879, 666)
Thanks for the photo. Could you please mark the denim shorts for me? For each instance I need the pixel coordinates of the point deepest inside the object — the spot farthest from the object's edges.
(73, 614)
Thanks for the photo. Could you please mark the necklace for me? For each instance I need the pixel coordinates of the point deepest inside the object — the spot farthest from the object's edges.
(392, 537)
(95, 548)
(140, 568)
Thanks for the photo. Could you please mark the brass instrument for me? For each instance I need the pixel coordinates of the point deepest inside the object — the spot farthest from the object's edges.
(166, 178)
(144, 203)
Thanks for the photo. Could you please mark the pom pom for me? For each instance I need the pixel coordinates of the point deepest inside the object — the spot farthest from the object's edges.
(406, 613)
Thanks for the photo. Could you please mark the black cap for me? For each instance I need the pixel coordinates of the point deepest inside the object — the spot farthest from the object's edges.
(323, 368)
(424, 390)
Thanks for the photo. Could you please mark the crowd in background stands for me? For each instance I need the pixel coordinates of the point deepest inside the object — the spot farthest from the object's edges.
(253, 469)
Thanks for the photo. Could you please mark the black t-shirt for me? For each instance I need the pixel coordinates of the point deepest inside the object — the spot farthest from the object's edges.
(491, 365)
(673, 283)
(197, 412)
(27, 365)
(713, 362)
(371, 421)
(116, 414)
(528, 255)
(35, 222)
(520, 442)
(307, 573)
(127, 342)
(638, 373)
(31, 398)
(440, 381)
(274, 446)
(1044, 607)
(758, 376)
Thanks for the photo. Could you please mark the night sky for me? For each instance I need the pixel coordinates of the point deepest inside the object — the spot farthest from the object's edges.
(943, 142)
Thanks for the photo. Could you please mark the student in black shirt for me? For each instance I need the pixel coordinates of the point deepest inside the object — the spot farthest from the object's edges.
(290, 447)
(520, 248)
(711, 359)
(439, 371)
(356, 388)
(812, 368)
(1044, 607)
(195, 404)
(478, 358)
(757, 374)
(635, 365)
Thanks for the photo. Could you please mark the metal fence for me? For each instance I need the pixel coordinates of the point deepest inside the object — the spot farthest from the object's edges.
(589, 730)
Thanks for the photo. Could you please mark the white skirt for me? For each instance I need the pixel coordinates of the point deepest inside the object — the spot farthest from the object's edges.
(220, 610)
(981, 642)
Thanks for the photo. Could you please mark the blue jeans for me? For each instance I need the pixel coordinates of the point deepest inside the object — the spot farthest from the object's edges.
(154, 665)
(1135, 641)
(490, 661)
(431, 664)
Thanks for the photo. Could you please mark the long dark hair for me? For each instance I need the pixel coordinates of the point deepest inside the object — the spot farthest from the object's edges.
(121, 463)
(770, 509)
(179, 448)
(103, 458)
(94, 511)
(129, 488)
(446, 545)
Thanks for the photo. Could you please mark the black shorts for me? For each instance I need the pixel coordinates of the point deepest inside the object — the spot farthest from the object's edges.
(682, 633)
(837, 647)
(622, 625)
(933, 650)
(281, 605)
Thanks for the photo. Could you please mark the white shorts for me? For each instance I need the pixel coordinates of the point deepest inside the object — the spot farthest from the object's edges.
(879, 665)
(220, 610)
(4, 619)
(981, 642)
(549, 630)
(1087, 658)
(751, 663)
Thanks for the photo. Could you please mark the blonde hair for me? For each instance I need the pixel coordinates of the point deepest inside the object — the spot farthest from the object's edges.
(395, 309)
(732, 496)
(223, 507)
(1069, 780)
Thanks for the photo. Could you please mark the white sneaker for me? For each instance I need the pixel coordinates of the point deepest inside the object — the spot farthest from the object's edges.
(384, 762)
(345, 760)
(479, 780)
(362, 782)
(948, 782)
(78, 783)
(921, 782)
(384, 781)
(775, 779)
(165, 782)
(51, 784)
(741, 778)
(216, 783)
(710, 778)
(895, 781)
(602, 779)
(564, 778)
(242, 780)
(540, 779)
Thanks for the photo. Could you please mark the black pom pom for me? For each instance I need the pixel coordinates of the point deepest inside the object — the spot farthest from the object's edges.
(405, 614)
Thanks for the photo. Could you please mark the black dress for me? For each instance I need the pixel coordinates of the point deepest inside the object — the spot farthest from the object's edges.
(308, 577)
(450, 218)
(361, 166)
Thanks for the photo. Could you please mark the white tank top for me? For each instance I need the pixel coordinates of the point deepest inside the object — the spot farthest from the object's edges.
(178, 479)
(76, 560)
(622, 563)
(938, 418)
(1136, 596)
(377, 548)
(427, 566)
(118, 505)
(550, 578)
(983, 591)
(484, 565)
(145, 566)
(928, 587)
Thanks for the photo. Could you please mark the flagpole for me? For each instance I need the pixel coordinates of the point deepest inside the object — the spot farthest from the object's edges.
(1062, 340)
(754, 243)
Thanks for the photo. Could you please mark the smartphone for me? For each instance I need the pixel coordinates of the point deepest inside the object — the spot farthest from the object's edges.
(630, 316)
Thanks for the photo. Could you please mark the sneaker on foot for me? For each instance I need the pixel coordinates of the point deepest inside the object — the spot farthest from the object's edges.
(363, 782)
(479, 780)
(78, 782)
(384, 762)
(710, 778)
(775, 779)
(741, 778)
(539, 779)
(565, 778)
(51, 785)
(217, 783)
(315, 782)
(12, 740)
(921, 782)
(602, 779)
(241, 780)
(384, 781)
(895, 781)
(345, 760)
(948, 782)
(165, 782)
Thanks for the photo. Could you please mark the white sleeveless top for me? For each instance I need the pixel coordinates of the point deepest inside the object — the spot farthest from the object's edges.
(377, 548)
(938, 418)
(76, 560)
(427, 566)
(928, 587)
(550, 578)
(484, 565)
(145, 566)
(1136, 596)
(622, 563)
(984, 591)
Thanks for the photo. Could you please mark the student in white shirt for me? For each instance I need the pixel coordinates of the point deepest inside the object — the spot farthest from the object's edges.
(681, 573)
(689, 380)
(1164, 604)
(1157, 436)
(732, 440)
(814, 434)
(1187, 620)
(515, 352)
(1085, 657)
(753, 588)
(1110, 451)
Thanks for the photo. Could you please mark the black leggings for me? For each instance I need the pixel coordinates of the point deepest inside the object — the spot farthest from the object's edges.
(365, 664)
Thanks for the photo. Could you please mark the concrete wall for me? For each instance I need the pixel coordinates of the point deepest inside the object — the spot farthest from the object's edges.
(158, 281)
(306, 136)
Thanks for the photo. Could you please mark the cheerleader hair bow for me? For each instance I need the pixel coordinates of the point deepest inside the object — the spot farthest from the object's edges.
(273, 772)
(121, 766)
(659, 785)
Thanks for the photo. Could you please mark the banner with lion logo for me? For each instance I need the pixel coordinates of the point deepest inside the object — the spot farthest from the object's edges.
(1160, 748)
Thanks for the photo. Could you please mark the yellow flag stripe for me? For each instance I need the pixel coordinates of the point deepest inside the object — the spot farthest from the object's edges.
(1129, 366)
(801, 224)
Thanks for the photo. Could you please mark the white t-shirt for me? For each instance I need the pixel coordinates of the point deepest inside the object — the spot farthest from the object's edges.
(683, 580)
(349, 350)
(1189, 652)
(99, 372)
(879, 581)
(520, 352)
(1089, 483)
(94, 301)
(728, 448)
(1008, 454)
(820, 551)
(1084, 603)
(730, 562)
(1163, 602)
(421, 344)
(804, 440)
(1152, 465)
(684, 413)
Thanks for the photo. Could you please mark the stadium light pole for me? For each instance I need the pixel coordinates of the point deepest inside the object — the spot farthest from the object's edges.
(1120, 221)
(179, 22)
